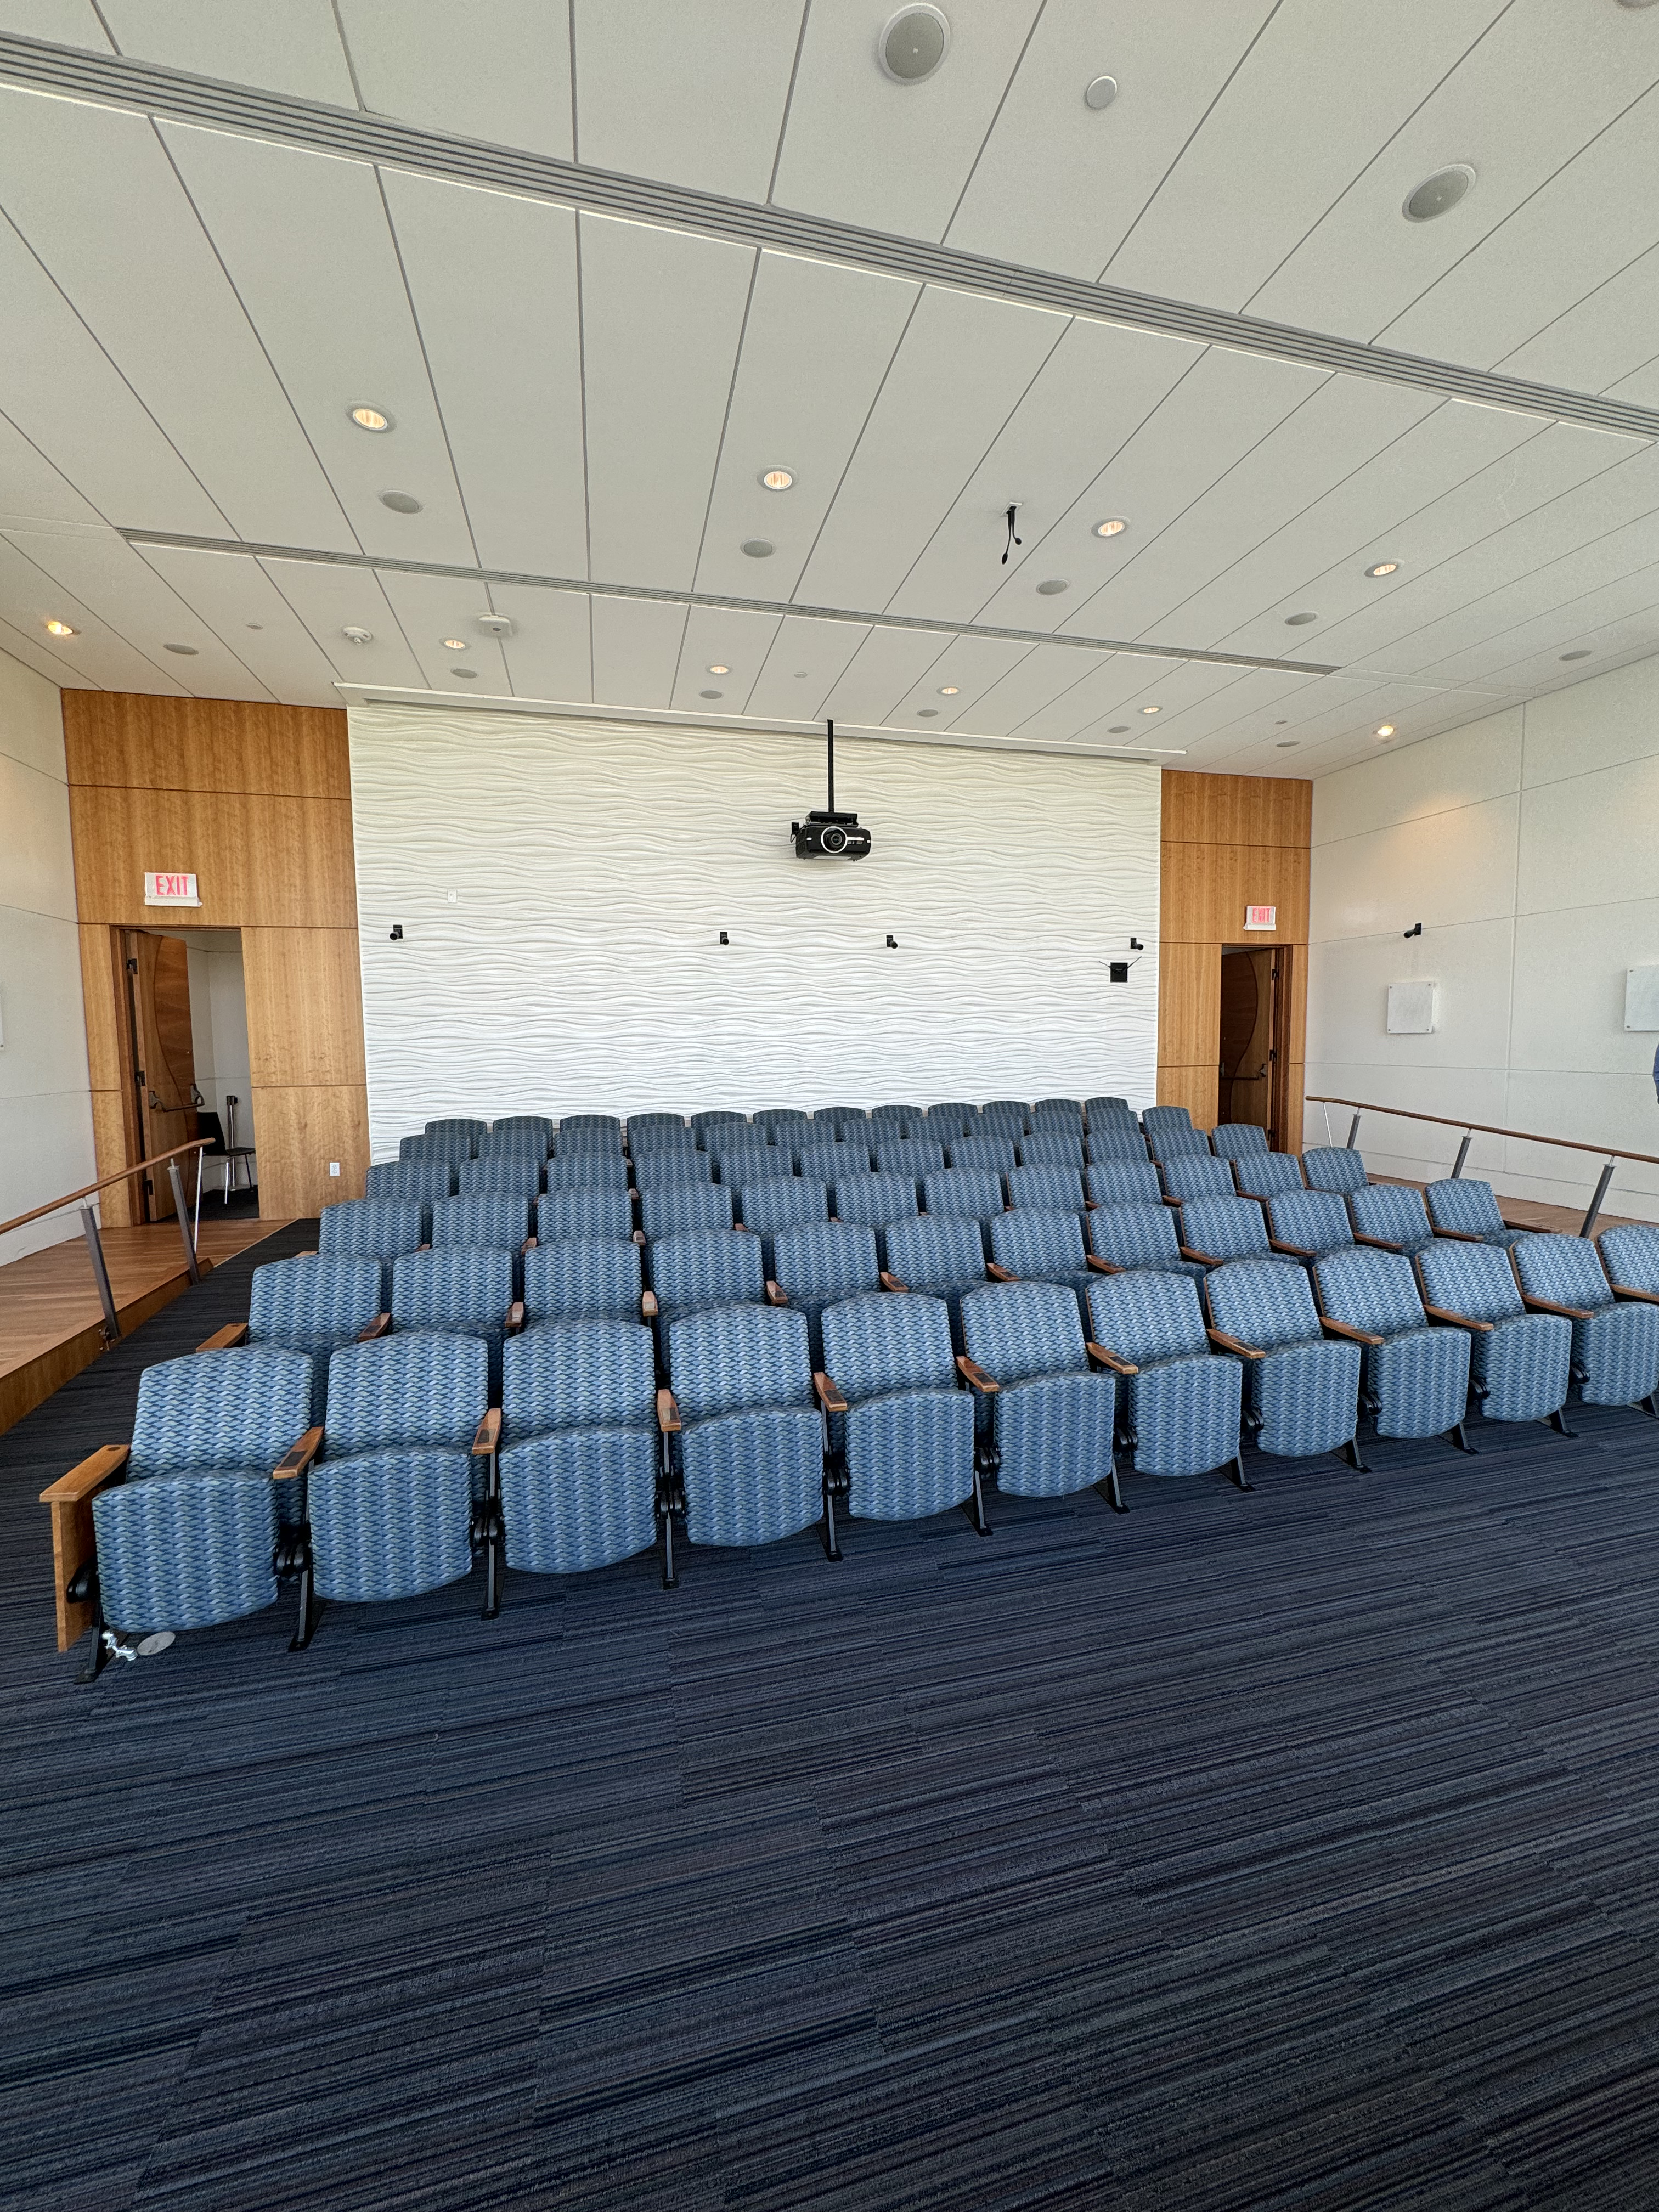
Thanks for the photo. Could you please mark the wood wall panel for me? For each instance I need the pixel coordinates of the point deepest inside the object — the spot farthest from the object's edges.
(100, 979)
(307, 986)
(134, 742)
(1188, 986)
(301, 1131)
(281, 862)
(112, 1148)
(1237, 810)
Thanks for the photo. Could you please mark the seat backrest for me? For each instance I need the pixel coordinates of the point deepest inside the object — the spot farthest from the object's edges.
(1393, 1210)
(1134, 1235)
(996, 1153)
(1057, 1112)
(895, 1113)
(1226, 1228)
(661, 1170)
(1197, 1175)
(501, 1223)
(1124, 1182)
(632, 1122)
(460, 1126)
(736, 1358)
(741, 1163)
(1145, 1315)
(1315, 1219)
(369, 1228)
(950, 1117)
(706, 1268)
(1015, 1331)
(1006, 1121)
(1464, 1202)
(1052, 1148)
(464, 1287)
(721, 1118)
(1049, 1188)
(578, 1375)
(784, 1202)
(826, 1162)
(316, 1300)
(1021, 1106)
(452, 1144)
(936, 1249)
(420, 1180)
(586, 1171)
(781, 1117)
(849, 1123)
(896, 1340)
(1035, 1242)
(566, 1214)
(583, 1278)
(518, 1175)
(654, 1137)
(1104, 1107)
(1630, 1256)
(975, 1192)
(915, 1157)
(221, 1411)
(827, 1259)
(1333, 1167)
(874, 1199)
(1166, 1117)
(1476, 1279)
(1266, 1175)
(675, 1207)
(1231, 1141)
(1172, 1140)
(542, 1124)
(421, 1388)
(515, 1144)
(1369, 1289)
(1266, 1302)
(590, 1122)
(1112, 1140)
(1566, 1270)
(570, 1139)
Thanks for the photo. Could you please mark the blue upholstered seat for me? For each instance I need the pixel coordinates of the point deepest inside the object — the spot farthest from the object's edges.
(381, 1229)
(1266, 1174)
(785, 1201)
(648, 1138)
(1466, 1206)
(464, 1290)
(1414, 1378)
(1115, 1141)
(499, 1224)
(1048, 1189)
(903, 1115)
(673, 1208)
(1180, 1411)
(461, 1125)
(1104, 1107)
(572, 1140)
(975, 1193)
(994, 1154)
(513, 1175)
(1015, 1111)
(1615, 1341)
(1233, 1140)
(583, 1278)
(1174, 1141)
(1308, 1224)
(749, 1455)
(1303, 1397)
(822, 1262)
(950, 1117)
(1390, 1213)
(452, 1144)
(513, 1141)
(829, 1163)
(1630, 1257)
(1333, 1167)
(609, 1124)
(873, 1200)
(1043, 1246)
(1049, 1426)
(314, 1304)
(737, 1164)
(539, 1125)
(1165, 1117)
(781, 1121)
(908, 1155)
(633, 1121)
(1520, 1363)
(1196, 1175)
(695, 1269)
(943, 1255)
(906, 1441)
(663, 1171)
(1124, 1182)
(419, 1182)
(1224, 1229)
(1054, 1148)
(1137, 1237)
(721, 1118)
(586, 1171)
(1057, 1113)
(564, 1214)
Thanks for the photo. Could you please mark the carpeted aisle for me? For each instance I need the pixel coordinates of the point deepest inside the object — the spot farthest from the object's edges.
(1287, 1850)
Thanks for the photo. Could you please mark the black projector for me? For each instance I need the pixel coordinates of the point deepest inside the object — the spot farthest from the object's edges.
(830, 837)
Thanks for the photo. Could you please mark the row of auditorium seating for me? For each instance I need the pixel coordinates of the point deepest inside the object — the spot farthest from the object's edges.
(761, 1419)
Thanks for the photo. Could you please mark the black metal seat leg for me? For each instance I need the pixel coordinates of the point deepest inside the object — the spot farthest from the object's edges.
(1351, 1452)
(310, 1610)
(1454, 1435)
(670, 1578)
(1235, 1472)
(1558, 1421)
(1111, 1489)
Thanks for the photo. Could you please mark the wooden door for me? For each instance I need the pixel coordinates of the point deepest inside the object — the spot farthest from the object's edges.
(165, 1074)
(1247, 1037)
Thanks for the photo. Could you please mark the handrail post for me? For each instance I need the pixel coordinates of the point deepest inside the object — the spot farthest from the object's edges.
(100, 1274)
(182, 1211)
(1595, 1203)
(1353, 1131)
(1463, 1154)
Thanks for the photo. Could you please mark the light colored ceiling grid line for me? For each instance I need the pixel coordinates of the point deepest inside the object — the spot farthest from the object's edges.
(931, 625)
(396, 245)
(788, 98)
(67, 593)
(719, 455)
(1048, 705)
(575, 140)
(351, 58)
(1494, 640)
(996, 117)
(202, 622)
(151, 89)
(34, 446)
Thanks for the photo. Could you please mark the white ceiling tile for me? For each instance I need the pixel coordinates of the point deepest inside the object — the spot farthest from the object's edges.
(1046, 673)
(55, 670)
(963, 369)
(691, 90)
(32, 490)
(233, 593)
(30, 595)
(294, 47)
(816, 346)
(736, 641)
(494, 282)
(884, 667)
(329, 601)
(432, 608)
(970, 665)
(94, 193)
(802, 668)
(637, 650)
(662, 315)
(1255, 176)
(505, 78)
(1606, 336)
(549, 654)
(1116, 692)
(1363, 265)
(1640, 387)
(306, 239)
(894, 156)
(65, 23)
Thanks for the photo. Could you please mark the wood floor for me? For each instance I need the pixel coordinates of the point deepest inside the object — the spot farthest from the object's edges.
(51, 1321)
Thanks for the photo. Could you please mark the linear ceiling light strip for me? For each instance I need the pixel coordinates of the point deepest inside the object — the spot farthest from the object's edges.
(931, 625)
(116, 80)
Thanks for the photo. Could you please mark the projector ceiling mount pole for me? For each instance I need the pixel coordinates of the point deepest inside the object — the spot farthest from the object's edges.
(830, 754)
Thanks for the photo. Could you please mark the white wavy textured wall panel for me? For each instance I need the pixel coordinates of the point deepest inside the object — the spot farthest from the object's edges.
(561, 885)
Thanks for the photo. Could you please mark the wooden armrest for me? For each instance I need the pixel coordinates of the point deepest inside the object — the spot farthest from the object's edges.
(1101, 1266)
(1548, 1306)
(1381, 1244)
(1168, 1200)
(1103, 1357)
(529, 1244)
(633, 1195)
(975, 1376)
(668, 1413)
(892, 1282)
(638, 1235)
(1091, 1205)
(775, 1295)
(829, 1396)
(1296, 1251)
(91, 1475)
(1342, 1328)
(1232, 1344)
(515, 1317)
(1462, 1235)
(298, 1457)
(380, 1326)
(649, 1308)
(998, 1274)
(487, 1438)
(1624, 1290)
(226, 1338)
(1204, 1259)
(1456, 1320)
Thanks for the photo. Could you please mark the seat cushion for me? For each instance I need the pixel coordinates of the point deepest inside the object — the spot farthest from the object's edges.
(1616, 1354)
(1522, 1369)
(186, 1550)
(1307, 1396)
(1421, 1380)
(909, 1454)
(391, 1524)
(583, 1498)
(1185, 1415)
(1053, 1434)
(752, 1477)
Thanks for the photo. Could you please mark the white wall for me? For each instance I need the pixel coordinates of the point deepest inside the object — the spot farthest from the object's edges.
(218, 1033)
(562, 884)
(1528, 846)
(46, 1101)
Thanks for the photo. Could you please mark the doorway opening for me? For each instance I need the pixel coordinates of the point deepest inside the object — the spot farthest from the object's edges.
(1254, 1055)
(183, 1013)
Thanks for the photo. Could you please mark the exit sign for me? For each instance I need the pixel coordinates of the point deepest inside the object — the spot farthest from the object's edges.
(162, 887)
(1255, 917)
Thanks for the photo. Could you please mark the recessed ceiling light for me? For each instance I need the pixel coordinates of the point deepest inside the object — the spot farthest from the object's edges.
(1100, 92)
(1298, 622)
(912, 44)
(759, 549)
(1582, 654)
(927, 713)
(60, 628)
(801, 674)
(777, 479)
(1287, 745)
(711, 695)
(1113, 527)
(1051, 587)
(1118, 730)
(357, 636)
(1383, 568)
(1151, 710)
(400, 502)
(949, 690)
(256, 625)
(370, 418)
(1438, 194)
(1385, 729)
(469, 674)
(718, 668)
(190, 651)
(455, 645)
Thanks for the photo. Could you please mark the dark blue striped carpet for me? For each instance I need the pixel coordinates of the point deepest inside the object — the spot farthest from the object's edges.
(1289, 1850)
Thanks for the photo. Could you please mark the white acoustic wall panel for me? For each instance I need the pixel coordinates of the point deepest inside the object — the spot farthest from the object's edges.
(562, 884)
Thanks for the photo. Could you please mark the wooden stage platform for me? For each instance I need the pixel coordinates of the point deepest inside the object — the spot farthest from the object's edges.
(51, 1321)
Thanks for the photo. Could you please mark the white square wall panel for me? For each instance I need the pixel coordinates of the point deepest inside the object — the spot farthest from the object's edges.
(1411, 1009)
(1642, 998)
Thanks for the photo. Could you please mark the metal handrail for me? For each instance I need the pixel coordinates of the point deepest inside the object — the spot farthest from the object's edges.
(89, 1220)
(1608, 1152)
